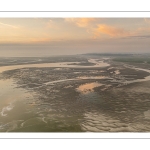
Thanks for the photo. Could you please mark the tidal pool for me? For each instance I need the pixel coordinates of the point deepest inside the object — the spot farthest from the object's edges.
(74, 103)
(20, 111)
(88, 87)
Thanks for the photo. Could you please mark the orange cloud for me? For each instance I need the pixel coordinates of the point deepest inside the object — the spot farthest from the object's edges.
(110, 31)
(80, 22)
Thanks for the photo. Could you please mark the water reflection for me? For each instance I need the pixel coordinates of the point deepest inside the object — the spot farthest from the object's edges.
(18, 109)
(12, 105)
(53, 115)
(147, 78)
(88, 87)
(60, 65)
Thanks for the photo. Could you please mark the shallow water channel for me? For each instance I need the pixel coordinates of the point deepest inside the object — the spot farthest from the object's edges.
(17, 106)
(19, 112)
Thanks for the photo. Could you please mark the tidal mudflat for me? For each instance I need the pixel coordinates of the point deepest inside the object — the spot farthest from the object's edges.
(81, 93)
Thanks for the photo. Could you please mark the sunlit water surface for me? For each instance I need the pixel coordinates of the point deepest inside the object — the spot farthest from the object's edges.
(20, 111)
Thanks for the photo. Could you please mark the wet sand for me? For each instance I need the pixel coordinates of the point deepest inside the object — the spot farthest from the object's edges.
(77, 98)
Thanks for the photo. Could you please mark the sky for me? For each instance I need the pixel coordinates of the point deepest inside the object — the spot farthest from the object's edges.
(67, 36)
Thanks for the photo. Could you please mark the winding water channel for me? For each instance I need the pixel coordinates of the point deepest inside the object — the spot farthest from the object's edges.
(12, 110)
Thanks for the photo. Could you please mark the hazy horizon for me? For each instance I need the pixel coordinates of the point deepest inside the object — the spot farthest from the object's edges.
(106, 89)
(68, 36)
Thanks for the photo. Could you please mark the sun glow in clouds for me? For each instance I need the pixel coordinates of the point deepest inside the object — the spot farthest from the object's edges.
(73, 35)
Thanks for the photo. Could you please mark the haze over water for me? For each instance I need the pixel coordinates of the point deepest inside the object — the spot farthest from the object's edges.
(67, 36)
(96, 92)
